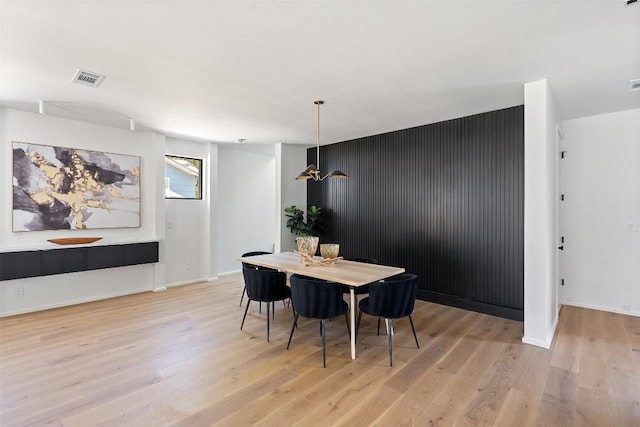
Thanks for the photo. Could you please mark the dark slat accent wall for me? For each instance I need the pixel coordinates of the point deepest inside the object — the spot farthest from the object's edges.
(445, 201)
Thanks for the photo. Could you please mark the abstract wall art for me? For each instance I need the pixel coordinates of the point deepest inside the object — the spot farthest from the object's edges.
(57, 188)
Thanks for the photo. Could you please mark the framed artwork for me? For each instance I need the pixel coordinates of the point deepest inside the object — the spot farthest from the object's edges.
(57, 188)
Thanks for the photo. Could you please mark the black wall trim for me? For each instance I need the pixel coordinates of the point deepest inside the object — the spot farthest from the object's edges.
(444, 201)
(494, 310)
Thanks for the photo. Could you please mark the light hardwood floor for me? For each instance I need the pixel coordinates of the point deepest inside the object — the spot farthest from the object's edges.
(179, 358)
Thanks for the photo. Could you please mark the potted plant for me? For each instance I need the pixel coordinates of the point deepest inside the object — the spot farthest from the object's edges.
(297, 224)
(307, 231)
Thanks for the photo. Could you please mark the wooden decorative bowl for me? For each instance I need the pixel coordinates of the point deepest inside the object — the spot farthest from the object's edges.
(74, 240)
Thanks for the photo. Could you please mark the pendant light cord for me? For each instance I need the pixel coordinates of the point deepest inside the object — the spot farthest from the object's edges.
(318, 103)
(313, 171)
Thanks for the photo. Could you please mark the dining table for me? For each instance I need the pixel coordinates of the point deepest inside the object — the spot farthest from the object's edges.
(351, 273)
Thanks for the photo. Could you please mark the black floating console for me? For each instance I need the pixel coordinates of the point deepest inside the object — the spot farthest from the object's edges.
(34, 263)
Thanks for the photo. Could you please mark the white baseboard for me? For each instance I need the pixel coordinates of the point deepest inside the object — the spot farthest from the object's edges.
(548, 341)
(554, 328)
(602, 308)
(186, 282)
(73, 302)
(537, 343)
(229, 273)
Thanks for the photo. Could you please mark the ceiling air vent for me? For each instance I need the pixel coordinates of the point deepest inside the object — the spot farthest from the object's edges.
(88, 78)
(634, 84)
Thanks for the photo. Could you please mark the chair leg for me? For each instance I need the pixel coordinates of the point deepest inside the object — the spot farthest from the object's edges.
(378, 326)
(389, 328)
(244, 291)
(245, 313)
(346, 317)
(324, 349)
(355, 306)
(294, 314)
(414, 331)
(273, 310)
(358, 324)
(293, 327)
(268, 322)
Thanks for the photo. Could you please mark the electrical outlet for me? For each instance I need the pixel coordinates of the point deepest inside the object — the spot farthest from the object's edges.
(634, 226)
(18, 291)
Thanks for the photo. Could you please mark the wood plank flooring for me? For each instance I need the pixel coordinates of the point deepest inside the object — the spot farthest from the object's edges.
(179, 358)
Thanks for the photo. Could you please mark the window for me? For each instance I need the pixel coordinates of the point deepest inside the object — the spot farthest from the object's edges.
(182, 177)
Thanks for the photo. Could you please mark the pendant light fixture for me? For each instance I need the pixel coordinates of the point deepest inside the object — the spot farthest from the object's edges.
(313, 171)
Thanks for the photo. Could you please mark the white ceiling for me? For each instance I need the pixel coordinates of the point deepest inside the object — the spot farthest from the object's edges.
(222, 70)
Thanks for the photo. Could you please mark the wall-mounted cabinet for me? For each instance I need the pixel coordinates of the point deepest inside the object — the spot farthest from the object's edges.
(34, 263)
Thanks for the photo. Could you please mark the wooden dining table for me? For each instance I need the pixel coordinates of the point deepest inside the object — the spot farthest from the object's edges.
(351, 273)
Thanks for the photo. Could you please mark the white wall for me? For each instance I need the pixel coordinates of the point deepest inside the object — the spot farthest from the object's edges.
(290, 161)
(602, 188)
(238, 213)
(52, 291)
(540, 235)
(246, 205)
(188, 223)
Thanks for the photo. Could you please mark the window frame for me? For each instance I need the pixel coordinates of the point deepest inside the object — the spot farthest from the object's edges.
(198, 184)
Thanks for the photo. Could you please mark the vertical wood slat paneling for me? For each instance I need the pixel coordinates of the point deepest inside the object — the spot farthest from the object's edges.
(445, 201)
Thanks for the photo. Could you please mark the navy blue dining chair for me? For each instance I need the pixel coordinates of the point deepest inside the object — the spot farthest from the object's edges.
(316, 299)
(264, 285)
(247, 254)
(392, 299)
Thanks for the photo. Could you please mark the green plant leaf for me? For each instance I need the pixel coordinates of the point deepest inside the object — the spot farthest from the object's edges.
(297, 224)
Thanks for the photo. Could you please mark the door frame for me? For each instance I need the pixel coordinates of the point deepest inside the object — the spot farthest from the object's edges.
(561, 240)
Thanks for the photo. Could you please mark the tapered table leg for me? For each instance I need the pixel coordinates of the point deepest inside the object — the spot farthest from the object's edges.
(353, 322)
